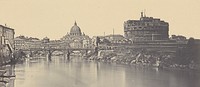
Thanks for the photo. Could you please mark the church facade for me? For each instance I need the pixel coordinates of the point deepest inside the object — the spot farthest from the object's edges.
(77, 39)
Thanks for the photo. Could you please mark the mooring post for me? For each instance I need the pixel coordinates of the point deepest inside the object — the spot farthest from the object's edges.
(64, 54)
(86, 52)
(96, 50)
(68, 55)
(49, 55)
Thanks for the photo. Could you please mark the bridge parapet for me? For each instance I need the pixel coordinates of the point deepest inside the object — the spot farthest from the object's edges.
(54, 49)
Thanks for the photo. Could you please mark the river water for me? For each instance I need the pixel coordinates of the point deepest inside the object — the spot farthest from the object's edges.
(81, 73)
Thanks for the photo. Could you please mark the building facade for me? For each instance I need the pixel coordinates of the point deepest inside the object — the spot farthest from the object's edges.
(6, 33)
(117, 39)
(20, 44)
(146, 29)
(27, 43)
(6, 44)
(24, 43)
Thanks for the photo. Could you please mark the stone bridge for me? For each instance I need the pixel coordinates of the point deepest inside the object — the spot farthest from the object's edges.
(66, 51)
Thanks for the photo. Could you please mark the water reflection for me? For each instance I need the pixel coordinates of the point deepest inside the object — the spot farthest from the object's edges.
(80, 73)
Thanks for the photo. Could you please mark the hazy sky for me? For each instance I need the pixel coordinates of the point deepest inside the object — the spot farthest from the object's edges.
(54, 18)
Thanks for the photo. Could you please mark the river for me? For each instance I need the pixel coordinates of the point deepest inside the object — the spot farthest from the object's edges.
(82, 73)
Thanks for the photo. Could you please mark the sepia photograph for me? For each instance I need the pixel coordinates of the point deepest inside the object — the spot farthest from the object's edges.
(99, 43)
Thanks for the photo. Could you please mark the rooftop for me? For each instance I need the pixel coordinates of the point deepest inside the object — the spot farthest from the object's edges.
(6, 27)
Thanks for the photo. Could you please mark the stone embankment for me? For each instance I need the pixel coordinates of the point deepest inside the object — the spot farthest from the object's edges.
(141, 57)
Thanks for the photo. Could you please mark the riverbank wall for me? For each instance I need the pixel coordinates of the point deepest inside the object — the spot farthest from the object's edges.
(159, 58)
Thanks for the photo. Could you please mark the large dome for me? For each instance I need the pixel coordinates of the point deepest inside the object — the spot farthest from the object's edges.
(75, 30)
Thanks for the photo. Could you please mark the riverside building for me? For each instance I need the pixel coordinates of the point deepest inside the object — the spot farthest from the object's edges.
(146, 29)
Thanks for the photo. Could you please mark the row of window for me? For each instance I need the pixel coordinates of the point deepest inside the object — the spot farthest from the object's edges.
(146, 32)
(146, 24)
(147, 27)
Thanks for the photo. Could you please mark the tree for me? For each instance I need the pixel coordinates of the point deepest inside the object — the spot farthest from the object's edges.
(192, 50)
(188, 54)
(191, 43)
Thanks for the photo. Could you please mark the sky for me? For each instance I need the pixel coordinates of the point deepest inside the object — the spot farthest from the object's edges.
(54, 18)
